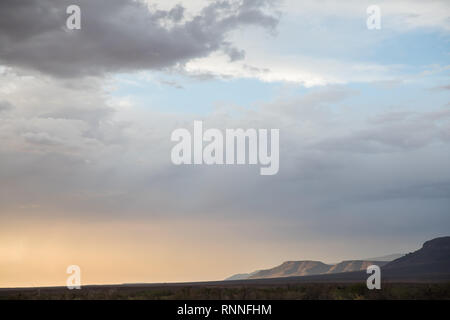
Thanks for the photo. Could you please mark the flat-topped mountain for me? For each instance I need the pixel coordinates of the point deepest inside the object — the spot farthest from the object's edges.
(390, 257)
(354, 265)
(432, 261)
(307, 268)
(292, 268)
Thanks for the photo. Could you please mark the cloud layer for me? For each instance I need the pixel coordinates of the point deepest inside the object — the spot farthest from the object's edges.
(363, 144)
(83, 151)
(119, 35)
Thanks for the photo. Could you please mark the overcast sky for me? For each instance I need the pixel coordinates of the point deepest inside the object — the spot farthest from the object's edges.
(86, 116)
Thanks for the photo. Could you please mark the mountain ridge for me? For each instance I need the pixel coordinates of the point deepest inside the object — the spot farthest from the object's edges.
(432, 260)
(293, 268)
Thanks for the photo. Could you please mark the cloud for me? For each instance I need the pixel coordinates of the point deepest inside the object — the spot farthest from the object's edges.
(400, 15)
(394, 132)
(119, 35)
(441, 88)
(72, 147)
(319, 43)
(309, 71)
(5, 106)
(45, 114)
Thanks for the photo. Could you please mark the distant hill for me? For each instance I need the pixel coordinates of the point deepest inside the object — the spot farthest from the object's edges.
(430, 263)
(292, 268)
(241, 276)
(390, 257)
(432, 258)
(306, 268)
(354, 265)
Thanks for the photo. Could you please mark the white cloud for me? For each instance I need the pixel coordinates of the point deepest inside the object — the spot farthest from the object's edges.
(307, 71)
(400, 14)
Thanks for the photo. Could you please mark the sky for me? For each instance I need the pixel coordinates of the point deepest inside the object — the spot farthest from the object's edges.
(86, 118)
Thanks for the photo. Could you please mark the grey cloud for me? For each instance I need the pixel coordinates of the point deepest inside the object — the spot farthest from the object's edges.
(90, 115)
(57, 116)
(5, 106)
(441, 88)
(432, 190)
(118, 35)
(56, 161)
(41, 138)
(175, 14)
(390, 117)
(393, 132)
(256, 69)
(234, 53)
(171, 84)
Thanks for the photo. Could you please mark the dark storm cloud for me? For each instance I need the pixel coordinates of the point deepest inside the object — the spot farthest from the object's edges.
(119, 35)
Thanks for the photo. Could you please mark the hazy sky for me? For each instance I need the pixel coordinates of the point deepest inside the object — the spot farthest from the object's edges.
(86, 117)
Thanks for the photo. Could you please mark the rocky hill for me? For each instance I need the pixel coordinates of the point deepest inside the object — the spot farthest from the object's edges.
(307, 268)
(429, 263)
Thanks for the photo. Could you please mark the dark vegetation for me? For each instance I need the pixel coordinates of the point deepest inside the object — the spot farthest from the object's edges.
(314, 291)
